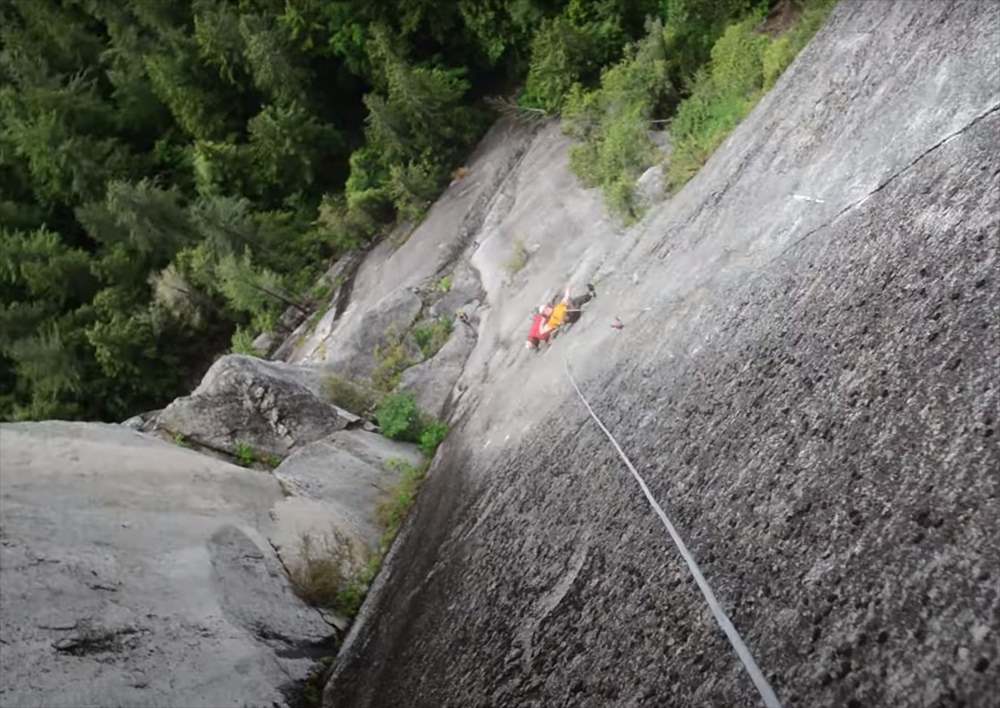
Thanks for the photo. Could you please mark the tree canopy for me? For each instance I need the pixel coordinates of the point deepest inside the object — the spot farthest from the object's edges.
(174, 173)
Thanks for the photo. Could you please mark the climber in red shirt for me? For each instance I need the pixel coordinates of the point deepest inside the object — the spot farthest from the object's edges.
(538, 332)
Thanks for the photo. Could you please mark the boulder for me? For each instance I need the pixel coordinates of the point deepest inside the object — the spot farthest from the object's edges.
(650, 188)
(431, 382)
(350, 349)
(136, 572)
(333, 486)
(268, 405)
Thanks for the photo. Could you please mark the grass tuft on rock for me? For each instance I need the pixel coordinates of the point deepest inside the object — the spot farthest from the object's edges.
(434, 335)
(324, 570)
(351, 396)
(518, 258)
(392, 511)
(391, 359)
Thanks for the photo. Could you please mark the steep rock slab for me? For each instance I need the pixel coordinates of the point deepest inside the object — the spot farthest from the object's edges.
(135, 572)
(334, 486)
(351, 352)
(270, 406)
(427, 254)
(807, 380)
(432, 381)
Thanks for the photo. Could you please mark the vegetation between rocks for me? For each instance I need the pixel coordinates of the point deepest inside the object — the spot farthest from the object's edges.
(248, 456)
(518, 258)
(700, 72)
(323, 569)
(744, 65)
(391, 359)
(432, 336)
(400, 419)
(353, 397)
(331, 572)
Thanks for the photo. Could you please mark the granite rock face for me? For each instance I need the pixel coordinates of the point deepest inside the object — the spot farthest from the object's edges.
(807, 379)
(270, 406)
(432, 381)
(135, 572)
(351, 353)
(334, 486)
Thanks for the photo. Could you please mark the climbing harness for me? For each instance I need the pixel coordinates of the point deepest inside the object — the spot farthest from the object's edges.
(763, 687)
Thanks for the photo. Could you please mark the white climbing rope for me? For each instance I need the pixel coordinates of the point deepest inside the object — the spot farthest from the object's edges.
(739, 646)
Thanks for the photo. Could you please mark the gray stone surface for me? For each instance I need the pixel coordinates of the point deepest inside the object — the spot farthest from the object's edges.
(271, 406)
(311, 332)
(334, 486)
(135, 572)
(465, 289)
(650, 188)
(807, 378)
(432, 381)
(350, 352)
(436, 247)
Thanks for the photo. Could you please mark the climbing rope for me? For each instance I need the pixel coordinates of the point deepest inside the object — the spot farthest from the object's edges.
(739, 646)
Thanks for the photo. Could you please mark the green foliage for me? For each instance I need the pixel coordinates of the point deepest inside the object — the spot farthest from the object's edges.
(173, 171)
(242, 342)
(518, 258)
(321, 572)
(444, 285)
(416, 126)
(312, 691)
(432, 436)
(255, 291)
(392, 511)
(575, 45)
(432, 336)
(744, 64)
(244, 453)
(399, 418)
(613, 122)
(351, 396)
(783, 50)
(391, 359)
(691, 29)
(352, 593)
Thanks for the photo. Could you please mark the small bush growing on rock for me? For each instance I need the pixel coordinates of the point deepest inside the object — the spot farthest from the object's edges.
(392, 511)
(391, 360)
(242, 343)
(312, 691)
(399, 417)
(518, 259)
(353, 397)
(431, 337)
(349, 599)
(244, 453)
(432, 436)
(321, 572)
(444, 285)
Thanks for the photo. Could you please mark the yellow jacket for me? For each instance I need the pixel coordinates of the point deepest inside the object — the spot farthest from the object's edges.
(557, 316)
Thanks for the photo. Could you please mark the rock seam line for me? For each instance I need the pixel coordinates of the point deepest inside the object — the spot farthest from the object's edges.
(767, 693)
(892, 178)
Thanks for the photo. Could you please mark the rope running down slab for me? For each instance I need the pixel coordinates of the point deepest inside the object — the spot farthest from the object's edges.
(739, 646)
